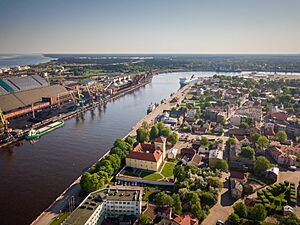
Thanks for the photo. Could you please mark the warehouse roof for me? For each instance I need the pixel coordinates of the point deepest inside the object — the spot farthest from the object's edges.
(21, 99)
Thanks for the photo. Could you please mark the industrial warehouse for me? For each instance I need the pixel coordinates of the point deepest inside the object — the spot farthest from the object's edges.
(29, 102)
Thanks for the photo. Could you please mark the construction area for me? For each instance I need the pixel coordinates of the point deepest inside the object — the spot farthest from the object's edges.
(28, 101)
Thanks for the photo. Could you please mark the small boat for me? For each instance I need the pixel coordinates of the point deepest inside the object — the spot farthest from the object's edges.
(33, 134)
(151, 108)
(184, 80)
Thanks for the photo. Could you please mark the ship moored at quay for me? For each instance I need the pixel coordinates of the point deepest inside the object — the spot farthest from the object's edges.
(54, 104)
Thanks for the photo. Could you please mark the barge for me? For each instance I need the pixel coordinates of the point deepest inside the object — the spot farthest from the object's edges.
(33, 134)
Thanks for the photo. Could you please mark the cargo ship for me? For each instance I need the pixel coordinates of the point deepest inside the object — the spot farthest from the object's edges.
(184, 80)
(33, 134)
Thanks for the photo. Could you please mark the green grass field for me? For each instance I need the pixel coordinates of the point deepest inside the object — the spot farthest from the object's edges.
(152, 176)
(168, 169)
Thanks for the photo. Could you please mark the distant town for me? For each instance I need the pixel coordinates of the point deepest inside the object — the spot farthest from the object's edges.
(223, 149)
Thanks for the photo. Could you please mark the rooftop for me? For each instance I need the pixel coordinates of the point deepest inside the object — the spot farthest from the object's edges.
(83, 212)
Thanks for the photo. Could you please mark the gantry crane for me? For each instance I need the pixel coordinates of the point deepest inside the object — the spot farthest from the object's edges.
(4, 122)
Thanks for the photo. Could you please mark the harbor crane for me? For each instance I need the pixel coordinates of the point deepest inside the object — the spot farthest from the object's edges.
(4, 122)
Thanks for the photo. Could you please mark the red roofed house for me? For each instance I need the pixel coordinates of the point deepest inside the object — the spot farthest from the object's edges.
(278, 116)
(187, 219)
(148, 156)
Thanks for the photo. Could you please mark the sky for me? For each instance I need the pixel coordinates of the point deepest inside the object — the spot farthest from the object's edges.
(149, 26)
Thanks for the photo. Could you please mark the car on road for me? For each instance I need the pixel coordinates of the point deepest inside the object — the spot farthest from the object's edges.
(292, 168)
(220, 222)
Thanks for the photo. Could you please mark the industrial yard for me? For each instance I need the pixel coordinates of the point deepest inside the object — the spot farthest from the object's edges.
(31, 101)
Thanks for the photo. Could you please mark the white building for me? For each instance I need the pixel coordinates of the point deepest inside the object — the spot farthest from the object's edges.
(107, 203)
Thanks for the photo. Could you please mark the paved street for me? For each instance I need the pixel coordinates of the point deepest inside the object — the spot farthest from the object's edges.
(224, 206)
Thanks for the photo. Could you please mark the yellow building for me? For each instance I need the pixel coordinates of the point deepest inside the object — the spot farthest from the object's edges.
(148, 156)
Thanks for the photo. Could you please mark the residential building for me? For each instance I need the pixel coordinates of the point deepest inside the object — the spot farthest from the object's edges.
(198, 129)
(237, 182)
(284, 154)
(172, 153)
(106, 203)
(148, 156)
(272, 173)
(214, 156)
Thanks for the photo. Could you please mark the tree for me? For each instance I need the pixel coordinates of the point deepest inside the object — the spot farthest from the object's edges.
(233, 219)
(123, 145)
(220, 164)
(162, 198)
(91, 182)
(117, 151)
(214, 182)
(231, 141)
(281, 136)
(261, 164)
(115, 161)
(129, 140)
(262, 143)
(154, 132)
(208, 198)
(258, 212)
(166, 132)
(204, 141)
(248, 153)
(244, 125)
(145, 219)
(105, 165)
(179, 173)
(173, 138)
(142, 135)
(197, 211)
(177, 204)
(241, 209)
(103, 175)
(255, 136)
(290, 219)
(145, 125)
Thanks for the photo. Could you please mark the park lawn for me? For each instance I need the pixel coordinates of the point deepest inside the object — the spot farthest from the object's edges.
(60, 218)
(168, 169)
(152, 176)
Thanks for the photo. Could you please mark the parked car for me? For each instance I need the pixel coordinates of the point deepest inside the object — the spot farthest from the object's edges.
(292, 168)
(220, 222)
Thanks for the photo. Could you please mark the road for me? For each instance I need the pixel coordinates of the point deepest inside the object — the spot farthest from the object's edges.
(224, 206)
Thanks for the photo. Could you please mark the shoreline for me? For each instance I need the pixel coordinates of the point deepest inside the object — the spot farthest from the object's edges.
(72, 114)
(47, 216)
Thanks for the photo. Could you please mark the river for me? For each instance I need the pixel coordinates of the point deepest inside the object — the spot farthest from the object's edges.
(34, 175)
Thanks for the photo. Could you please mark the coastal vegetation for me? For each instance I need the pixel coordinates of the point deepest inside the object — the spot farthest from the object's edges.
(100, 174)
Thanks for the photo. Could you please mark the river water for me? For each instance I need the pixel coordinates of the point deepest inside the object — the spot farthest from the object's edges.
(34, 175)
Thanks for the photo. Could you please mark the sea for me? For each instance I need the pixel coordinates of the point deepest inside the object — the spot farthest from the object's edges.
(14, 60)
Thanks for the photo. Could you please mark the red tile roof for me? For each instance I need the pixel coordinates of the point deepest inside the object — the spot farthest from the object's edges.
(160, 139)
(187, 219)
(146, 152)
(153, 157)
(278, 116)
(237, 175)
(269, 131)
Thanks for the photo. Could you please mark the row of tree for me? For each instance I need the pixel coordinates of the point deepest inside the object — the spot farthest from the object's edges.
(99, 175)
(244, 215)
(148, 133)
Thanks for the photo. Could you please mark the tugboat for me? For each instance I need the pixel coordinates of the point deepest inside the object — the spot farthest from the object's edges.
(151, 108)
(184, 80)
(33, 134)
